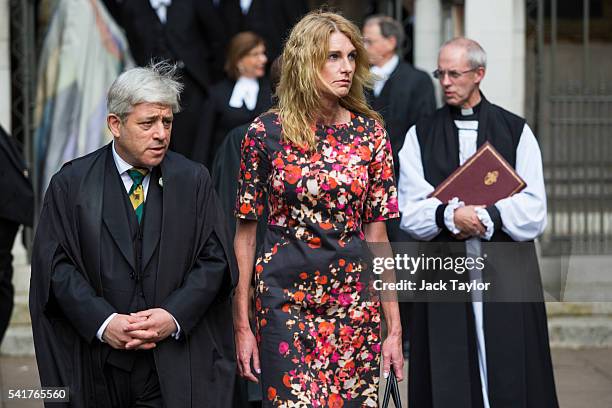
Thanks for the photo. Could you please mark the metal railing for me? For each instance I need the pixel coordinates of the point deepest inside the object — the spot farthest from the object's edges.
(574, 114)
(578, 171)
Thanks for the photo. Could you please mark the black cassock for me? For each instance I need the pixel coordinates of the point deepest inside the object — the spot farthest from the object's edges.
(443, 346)
(84, 267)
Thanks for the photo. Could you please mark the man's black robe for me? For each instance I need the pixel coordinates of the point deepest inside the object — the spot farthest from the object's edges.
(443, 351)
(197, 369)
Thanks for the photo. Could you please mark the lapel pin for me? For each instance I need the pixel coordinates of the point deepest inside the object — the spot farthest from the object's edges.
(161, 182)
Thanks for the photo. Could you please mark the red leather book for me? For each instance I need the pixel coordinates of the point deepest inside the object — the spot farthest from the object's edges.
(483, 179)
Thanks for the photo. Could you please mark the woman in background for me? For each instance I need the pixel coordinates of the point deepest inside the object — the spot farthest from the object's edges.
(237, 99)
(325, 162)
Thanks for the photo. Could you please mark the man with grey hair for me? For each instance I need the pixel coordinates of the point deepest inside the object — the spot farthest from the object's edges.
(402, 94)
(478, 353)
(131, 268)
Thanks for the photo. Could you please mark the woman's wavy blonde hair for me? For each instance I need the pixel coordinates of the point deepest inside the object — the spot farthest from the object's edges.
(299, 90)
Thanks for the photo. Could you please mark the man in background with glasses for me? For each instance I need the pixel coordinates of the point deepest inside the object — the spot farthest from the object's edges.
(402, 94)
(475, 354)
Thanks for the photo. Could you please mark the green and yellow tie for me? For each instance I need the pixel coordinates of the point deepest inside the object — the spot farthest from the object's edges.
(137, 192)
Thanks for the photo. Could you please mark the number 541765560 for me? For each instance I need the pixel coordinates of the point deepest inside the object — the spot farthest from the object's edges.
(49, 394)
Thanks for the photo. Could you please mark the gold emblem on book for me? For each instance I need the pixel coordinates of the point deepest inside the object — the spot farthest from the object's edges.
(491, 178)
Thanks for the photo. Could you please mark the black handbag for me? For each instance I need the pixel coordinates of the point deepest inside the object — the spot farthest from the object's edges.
(391, 392)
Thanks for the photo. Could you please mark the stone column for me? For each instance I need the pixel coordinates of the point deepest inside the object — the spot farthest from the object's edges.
(427, 35)
(5, 67)
(499, 26)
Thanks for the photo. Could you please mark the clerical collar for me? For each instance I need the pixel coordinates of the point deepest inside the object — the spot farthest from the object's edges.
(465, 114)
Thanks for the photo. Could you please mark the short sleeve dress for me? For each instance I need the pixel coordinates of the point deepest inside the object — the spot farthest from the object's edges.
(318, 331)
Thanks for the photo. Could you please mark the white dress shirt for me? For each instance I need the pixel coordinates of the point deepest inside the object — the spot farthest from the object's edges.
(161, 8)
(383, 73)
(122, 168)
(245, 93)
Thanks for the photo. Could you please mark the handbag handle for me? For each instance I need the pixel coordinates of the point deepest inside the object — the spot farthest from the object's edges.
(391, 392)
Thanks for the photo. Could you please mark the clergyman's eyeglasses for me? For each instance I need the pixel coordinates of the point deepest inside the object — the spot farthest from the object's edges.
(440, 74)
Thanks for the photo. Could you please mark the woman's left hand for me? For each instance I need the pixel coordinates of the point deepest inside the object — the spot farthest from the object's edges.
(393, 356)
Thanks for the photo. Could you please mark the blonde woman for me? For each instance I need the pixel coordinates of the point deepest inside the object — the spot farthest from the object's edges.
(324, 162)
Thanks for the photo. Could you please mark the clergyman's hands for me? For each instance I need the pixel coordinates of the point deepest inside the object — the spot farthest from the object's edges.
(467, 221)
(156, 326)
(246, 348)
(117, 335)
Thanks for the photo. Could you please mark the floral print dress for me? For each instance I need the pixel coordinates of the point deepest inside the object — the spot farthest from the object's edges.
(318, 329)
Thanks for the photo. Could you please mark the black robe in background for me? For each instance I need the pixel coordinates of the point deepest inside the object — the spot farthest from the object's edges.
(17, 197)
(408, 95)
(271, 19)
(443, 352)
(197, 369)
(225, 171)
(193, 37)
(16, 207)
(218, 118)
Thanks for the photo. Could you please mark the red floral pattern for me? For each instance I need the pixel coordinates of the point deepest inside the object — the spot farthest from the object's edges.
(317, 325)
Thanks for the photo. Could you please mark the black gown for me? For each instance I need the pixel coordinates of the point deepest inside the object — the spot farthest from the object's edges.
(81, 230)
(270, 19)
(407, 96)
(193, 37)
